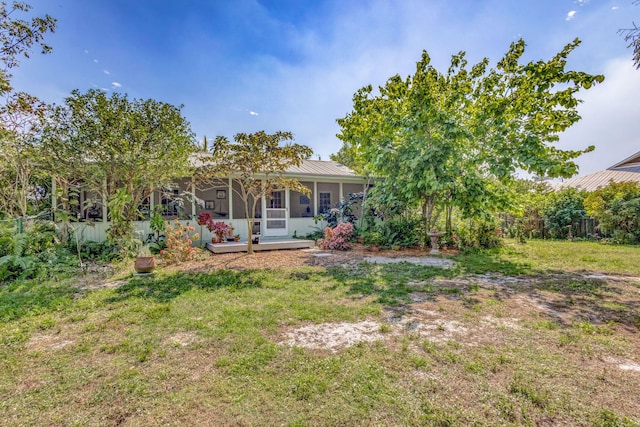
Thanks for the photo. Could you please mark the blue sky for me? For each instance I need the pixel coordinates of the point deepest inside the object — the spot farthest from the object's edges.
(248, 65)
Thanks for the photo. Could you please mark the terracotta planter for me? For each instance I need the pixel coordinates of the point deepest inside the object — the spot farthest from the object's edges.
(144, 264)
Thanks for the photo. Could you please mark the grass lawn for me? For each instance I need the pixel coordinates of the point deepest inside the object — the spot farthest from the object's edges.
(545, 333)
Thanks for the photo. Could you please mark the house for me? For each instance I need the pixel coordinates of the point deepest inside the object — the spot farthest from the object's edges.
(284, 214)
(628, 170)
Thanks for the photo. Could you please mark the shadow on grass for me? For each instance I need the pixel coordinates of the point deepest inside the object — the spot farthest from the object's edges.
(564, 297)
(27, 297)
(166, 288)
(392, 284)
(490, 261)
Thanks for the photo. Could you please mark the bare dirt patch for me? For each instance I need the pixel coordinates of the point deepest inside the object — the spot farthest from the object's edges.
(47, 342)
(299, 257)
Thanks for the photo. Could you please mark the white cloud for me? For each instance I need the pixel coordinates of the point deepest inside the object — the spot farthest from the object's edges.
(106, 72)
(570, 15)
(615, 8)
(116, 84)
(253, 113)
(95, 60)
(86, 51)
(609, 119)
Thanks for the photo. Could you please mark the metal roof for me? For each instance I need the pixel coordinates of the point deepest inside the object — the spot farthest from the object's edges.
(600, 179)
(319, 168)
(632, 160)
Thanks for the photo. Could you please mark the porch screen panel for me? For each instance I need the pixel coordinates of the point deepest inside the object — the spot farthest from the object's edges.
(301, 205)
(238, 204)
(328, 195)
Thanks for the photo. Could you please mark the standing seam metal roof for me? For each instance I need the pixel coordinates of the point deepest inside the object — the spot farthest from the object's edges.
(627, 170)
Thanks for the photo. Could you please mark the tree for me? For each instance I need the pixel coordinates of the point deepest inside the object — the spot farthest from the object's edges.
(20, 113)
(256, 163)
(458, 138)
(632, 36)
(123, 150)
(18, 36)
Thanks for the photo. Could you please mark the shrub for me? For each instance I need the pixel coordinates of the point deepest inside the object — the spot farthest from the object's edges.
(479, 234)
(179, 239)
(400, 231)
(338, 237)
(563, 211)
(617, 208)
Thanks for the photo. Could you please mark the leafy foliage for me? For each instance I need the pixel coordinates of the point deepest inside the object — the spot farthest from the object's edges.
(21, 113)
(120, 148)
(456, 138)
(562, 211)
(617, 208)
(179, 240)
(400, 231)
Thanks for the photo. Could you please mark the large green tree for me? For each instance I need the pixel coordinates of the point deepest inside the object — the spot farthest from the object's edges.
(457, 138)
(123, 149)
(257, 163)
(20, 113)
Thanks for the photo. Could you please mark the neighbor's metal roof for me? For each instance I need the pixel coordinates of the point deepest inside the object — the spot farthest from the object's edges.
(600, 179)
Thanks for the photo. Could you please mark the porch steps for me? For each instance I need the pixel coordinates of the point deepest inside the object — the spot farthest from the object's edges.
(264, 245)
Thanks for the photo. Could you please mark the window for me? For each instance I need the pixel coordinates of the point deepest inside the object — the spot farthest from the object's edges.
(276, 200)
(324, 201)
(170, 202)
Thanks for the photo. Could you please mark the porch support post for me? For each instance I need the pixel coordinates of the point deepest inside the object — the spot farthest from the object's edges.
(341, 193)
(316, 198)
(287, 201)
(193, 199)
(230, 196)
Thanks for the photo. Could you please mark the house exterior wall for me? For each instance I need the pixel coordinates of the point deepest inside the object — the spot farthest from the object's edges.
(226, 205)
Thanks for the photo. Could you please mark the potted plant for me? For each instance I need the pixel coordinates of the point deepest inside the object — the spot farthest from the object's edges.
(236, 238)
(204, 218)
(145, 262)
(219, 228)
(230, 236)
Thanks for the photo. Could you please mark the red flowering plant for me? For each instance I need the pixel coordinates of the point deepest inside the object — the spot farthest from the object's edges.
(337, 237)
(218, 228)
(204, 218)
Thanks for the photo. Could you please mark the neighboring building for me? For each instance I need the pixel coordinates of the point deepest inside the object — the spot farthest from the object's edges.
(627, 170)
(285, 213)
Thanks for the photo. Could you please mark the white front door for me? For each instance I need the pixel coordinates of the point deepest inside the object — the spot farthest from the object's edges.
(276, 214)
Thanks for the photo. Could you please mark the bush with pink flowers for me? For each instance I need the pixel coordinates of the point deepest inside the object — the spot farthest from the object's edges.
(337, 238)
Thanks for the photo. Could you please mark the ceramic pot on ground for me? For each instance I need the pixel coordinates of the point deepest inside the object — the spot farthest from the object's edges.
(144, 264)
